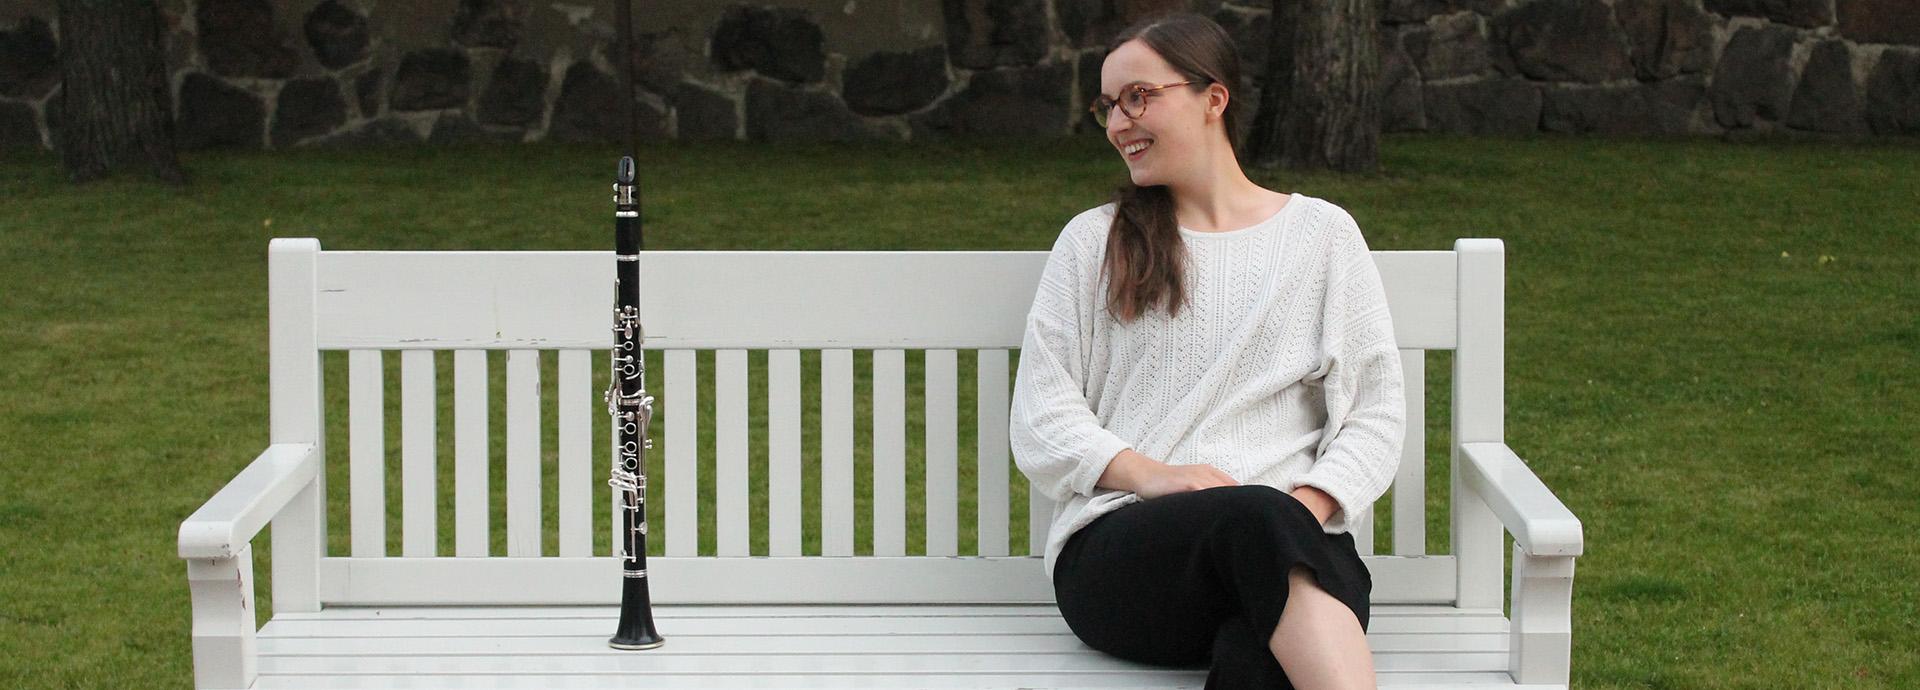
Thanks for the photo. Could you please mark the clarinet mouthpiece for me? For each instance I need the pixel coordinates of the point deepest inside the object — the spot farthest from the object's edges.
(625, 175)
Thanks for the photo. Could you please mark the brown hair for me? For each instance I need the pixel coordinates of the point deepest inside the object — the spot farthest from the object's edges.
(1144, 252)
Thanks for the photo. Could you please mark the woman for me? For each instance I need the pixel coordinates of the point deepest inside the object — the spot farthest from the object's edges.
(1209, 390)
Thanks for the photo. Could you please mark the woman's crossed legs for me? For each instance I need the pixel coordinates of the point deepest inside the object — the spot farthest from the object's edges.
(1187, 578)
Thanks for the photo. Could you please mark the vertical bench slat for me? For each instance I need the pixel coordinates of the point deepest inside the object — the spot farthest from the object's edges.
(613, 495)
(298, 414)
(472, 523)
(1410, 486)
(523, 453)
(1479, 410)
(367, 446)
(783, 446)
(730, 450)
(836, 452)
(683, 474)
(890, 452)
(576, 434)
(991, 451)
(1363, 533)
(943, 474)
(417, 505)
(1039, 519)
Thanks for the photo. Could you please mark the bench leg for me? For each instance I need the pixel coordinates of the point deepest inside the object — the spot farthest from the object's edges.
(1541, 648)
(224, 650)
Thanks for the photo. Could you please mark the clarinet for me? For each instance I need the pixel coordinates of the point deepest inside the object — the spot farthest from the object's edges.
(632, 411)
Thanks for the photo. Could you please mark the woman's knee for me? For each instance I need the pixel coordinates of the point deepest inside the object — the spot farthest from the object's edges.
(1246, 497)
(1257, 506)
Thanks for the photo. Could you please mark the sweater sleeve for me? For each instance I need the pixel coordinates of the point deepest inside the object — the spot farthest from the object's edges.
(1055, 437)
(1359, 451)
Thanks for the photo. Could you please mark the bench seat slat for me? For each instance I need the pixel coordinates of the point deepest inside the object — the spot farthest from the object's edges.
(802, 646)
(904, 665)
(711, 681)
(584, 645)
(1395, 612)
(486, 628)
(546, 627)
(1127, 679)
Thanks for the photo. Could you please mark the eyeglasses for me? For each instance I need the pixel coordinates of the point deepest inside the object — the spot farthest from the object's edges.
(1133, 100)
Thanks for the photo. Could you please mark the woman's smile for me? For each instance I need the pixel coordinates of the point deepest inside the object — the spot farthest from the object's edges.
(1137, 150)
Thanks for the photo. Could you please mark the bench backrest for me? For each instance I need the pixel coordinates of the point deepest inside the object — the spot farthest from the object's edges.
(469, 340)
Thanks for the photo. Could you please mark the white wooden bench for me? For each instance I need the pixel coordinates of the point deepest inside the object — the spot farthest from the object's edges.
(531, 618)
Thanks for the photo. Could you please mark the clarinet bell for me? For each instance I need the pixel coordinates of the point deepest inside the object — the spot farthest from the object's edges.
(645, 638)
(636, 629)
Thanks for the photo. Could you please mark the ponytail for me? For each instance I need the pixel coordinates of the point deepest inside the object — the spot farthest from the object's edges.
(1145, 257)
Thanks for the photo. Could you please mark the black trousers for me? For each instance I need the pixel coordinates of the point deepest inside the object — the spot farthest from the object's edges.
(1201, 578)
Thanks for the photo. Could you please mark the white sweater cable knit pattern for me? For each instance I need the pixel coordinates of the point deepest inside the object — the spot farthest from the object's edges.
(1281, 370)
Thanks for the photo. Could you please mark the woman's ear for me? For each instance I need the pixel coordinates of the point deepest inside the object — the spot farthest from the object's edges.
(1217, 98)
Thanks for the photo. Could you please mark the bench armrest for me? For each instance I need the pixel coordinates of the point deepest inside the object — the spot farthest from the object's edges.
(1539, 522)
(228, 521)
(1546, 539)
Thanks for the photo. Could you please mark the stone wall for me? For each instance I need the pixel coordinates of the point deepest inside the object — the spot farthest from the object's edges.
(279, 73)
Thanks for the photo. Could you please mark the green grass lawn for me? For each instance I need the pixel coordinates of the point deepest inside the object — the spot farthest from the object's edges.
(1711, 358)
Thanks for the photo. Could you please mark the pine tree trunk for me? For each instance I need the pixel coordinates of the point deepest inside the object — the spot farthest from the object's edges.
(1320, 108)
(115, 107)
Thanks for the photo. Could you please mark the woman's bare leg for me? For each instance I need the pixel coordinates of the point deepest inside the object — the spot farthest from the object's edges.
(1319, 641)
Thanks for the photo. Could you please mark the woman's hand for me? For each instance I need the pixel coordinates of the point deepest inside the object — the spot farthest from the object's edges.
(1320, 503)
(1149, 478)
(1173, 479)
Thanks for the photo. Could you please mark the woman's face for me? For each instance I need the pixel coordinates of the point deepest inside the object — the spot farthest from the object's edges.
(1174, 123)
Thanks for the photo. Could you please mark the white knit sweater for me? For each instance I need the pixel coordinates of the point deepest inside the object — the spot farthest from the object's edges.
(1281, 370)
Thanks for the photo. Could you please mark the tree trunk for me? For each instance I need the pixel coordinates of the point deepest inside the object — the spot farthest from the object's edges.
(115, 108)
(1320, 108)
